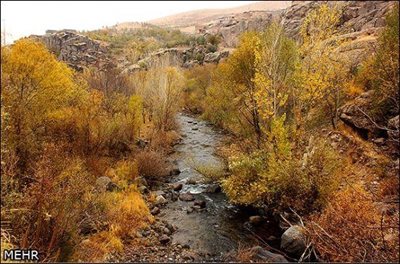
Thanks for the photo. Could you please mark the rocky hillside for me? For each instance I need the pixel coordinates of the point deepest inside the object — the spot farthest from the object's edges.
(230, 27)
(76, 50)
(359, 27)
(360, 24)
(197, 17)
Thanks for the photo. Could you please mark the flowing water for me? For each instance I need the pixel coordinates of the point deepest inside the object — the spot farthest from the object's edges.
(221, 227)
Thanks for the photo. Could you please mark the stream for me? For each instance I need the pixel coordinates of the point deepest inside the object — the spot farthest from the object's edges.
(221, 227)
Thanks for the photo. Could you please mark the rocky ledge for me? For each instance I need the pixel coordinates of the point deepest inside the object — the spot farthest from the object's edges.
(76, 50)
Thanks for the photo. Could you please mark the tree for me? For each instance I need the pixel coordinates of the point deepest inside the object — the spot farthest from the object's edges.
(276, 57)
(34, 84)
(233, 83)
(323, 71)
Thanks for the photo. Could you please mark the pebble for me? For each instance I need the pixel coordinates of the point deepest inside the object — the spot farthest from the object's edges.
(155, 211)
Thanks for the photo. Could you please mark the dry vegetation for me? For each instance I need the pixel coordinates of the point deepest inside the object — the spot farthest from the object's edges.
(279, 101)
(64, 132)
(70, 154)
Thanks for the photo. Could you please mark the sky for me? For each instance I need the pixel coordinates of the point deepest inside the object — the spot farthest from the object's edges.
(23, 18)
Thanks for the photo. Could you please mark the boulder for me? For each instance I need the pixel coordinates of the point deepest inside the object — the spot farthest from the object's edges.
(177, 186)
(264, 255)
(212, 57)
(155, 211)
(353, 114)
(160, 200)
(166, 231)
(143, 189)
(191, 181)
(187, 197)
(293, 240)
(104, 183)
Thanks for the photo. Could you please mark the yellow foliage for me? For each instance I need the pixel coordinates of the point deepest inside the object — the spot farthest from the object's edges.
(97, 247)
(125, 171)
(349, 229)
(126, 212)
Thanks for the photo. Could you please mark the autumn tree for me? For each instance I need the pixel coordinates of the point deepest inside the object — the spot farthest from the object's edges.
(233, 88)
(323, 71)
(275, 62)
(34, 84)
(197, 80)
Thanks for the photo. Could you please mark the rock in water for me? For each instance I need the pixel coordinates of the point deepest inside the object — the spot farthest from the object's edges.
(186, 197)
(267, 256)
(255, 220)
(293, 240)
(191, 181)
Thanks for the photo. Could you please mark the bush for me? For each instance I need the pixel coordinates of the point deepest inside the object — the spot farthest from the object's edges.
(48, 214)
(150, 164)
(122, 214)
(274, 176)
(97, 247)
(125, 172)
(350, 230)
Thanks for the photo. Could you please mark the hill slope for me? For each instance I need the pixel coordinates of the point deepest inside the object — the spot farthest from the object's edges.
(192, 18)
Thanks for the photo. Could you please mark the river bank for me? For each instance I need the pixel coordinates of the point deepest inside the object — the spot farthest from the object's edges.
(194, 220)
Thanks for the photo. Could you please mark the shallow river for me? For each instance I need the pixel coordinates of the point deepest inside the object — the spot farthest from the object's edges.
(220, 228)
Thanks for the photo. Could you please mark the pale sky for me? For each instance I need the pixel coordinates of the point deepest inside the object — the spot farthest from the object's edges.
(23, 18)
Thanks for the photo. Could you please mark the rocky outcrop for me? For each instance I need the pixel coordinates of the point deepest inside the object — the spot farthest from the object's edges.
(230, 27)
(76, 50)
(183, 57)
(358, 28)
(354, 114)
(359, 24)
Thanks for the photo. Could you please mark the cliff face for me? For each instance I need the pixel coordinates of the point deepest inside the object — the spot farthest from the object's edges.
(230, 27)
(76, 50)
(359, 25)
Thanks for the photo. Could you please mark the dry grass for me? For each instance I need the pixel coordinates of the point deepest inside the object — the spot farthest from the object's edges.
(350, 229)
(151, 164)
(213, 172)
(163, 141)
(244, 254)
